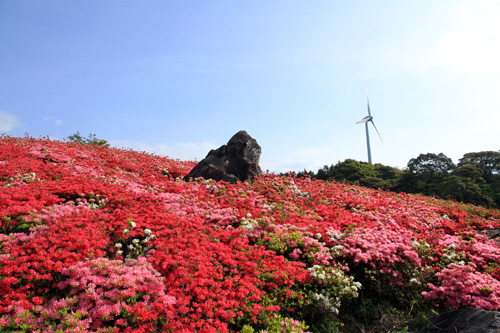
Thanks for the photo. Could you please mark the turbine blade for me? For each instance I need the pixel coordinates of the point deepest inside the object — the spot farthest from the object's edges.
(371, 120)
(368, 103)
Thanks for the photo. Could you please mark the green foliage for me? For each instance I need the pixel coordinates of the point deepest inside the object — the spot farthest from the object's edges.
(371, 314)
(426, 173)
(487, 161)
(466, 190)
(484, 168)
(431, 166)
(475, 179)
(247, 329)
(71, 322)
(359, 173)
(91, 140)
(278, 324)
(351, 171)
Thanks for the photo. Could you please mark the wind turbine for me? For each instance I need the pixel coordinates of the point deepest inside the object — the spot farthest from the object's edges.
(366, 120)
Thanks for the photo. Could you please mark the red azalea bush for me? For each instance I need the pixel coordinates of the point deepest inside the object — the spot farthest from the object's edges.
(99, 239)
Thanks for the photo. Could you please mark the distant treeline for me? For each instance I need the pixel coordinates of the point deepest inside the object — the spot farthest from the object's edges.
(475, 179)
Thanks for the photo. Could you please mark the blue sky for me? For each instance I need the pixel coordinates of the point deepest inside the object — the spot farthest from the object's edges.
(178, 78)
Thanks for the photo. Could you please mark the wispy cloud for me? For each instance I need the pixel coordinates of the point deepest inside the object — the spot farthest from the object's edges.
(9, 121)
(58, 122)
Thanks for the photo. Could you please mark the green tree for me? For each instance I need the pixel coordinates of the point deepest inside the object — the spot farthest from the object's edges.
(431, 166)
(486, 166)
(426, 172)
(91, 140)
(305, 173)
(351, 171)
(354, 172)
(324, 173)
(376, 183)
(487, 161)
(464, 189)
(476, 178)
(390, 175)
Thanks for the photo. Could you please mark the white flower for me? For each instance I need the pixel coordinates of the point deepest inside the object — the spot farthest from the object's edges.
(119, 253)
(337, 248)
(118, 245)
(147, 232)
(135, 241)
(125, 231)
(414, 281)
(132, 224)
(247, 225)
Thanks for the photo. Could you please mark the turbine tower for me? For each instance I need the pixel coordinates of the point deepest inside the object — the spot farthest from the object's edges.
(366, 120)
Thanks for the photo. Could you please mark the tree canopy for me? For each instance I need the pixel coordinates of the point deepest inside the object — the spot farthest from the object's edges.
(475, 179)
(91, 140)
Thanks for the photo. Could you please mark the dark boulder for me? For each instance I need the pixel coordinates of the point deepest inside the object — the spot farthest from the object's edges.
(236, 161)
(468, 321)
(492, 234)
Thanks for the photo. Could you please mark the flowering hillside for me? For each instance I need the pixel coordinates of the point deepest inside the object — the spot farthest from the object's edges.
(98, 239)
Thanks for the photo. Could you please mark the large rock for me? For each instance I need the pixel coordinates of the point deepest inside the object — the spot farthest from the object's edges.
(236, 161)
(468, 321)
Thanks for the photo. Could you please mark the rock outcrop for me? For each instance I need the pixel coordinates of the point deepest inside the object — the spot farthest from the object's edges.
(236, 161)
(468, 321)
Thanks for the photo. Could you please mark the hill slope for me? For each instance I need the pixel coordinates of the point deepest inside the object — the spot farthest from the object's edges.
(102, 239)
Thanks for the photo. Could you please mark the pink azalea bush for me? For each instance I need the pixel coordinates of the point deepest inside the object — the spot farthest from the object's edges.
(463, 287)
(387, 251)
(98, 239)
(97, 292)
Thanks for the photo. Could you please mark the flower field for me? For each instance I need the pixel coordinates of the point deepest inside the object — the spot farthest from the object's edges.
(98, 239)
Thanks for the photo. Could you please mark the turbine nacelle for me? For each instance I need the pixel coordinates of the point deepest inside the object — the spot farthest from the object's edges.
(365, 120)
